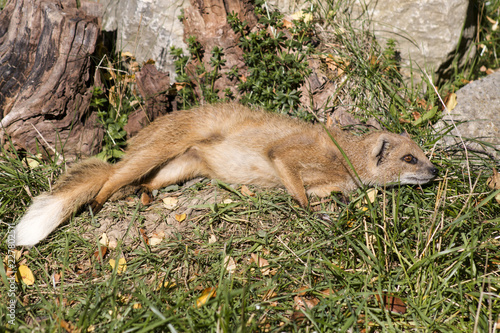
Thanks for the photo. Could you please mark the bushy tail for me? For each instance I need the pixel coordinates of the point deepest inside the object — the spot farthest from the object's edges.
(76, 188)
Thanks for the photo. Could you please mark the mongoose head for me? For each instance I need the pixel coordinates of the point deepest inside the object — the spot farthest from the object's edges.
(397, 159)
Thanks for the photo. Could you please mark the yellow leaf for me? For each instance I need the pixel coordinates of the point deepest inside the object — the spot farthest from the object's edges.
(180, 217)
(170, 202)
(452, 102)
(25, 274)
(212, 239)
(33, 163)
(205, 296)
(122, 265)
(137, 306)
(127, 55)
(104, 240)
(300, 15)
(229, 264)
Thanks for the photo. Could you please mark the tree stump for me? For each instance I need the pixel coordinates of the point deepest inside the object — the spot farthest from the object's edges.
(46, 76)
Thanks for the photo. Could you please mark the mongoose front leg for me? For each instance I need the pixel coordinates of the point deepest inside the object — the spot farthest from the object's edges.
(290, 177)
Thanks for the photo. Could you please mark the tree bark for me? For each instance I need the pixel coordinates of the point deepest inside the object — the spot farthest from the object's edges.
(46, 76)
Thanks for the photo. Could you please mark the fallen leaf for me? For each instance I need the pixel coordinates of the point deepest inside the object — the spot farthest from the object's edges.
(452, 102)
(122, 265)
(392, 303)
(127, 54)
(179, 85)
(67, 326)
(205, 296)
(229, 264)
(100, 253)
(25, 274)
(166, 285)
(416, 115)
(144, 236)
(246, 191)
(300, 15)
(212, 239)
(305, 303)
(113, 243)
(170, 202)
(137, 306)
(33, 163)
(104, 240)
(156, 238)
(56, 277)
(262, 263)
(180, 217)
(146, 199)
(494, 181)
(287, 22)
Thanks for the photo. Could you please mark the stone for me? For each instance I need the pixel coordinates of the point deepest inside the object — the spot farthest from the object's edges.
(478, 107)
(147, 28)
(429, 33)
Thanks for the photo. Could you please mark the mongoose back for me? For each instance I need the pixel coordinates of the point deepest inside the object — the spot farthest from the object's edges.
(232, 143)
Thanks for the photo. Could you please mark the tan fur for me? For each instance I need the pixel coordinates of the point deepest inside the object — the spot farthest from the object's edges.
(237, 145)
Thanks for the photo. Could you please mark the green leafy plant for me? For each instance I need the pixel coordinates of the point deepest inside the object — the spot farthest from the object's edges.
(277, 64)
(115, 136)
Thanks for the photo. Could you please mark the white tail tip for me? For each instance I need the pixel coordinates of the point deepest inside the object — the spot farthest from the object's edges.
(43, 216)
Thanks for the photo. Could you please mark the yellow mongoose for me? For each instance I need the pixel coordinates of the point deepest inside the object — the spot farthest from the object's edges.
(232, 143)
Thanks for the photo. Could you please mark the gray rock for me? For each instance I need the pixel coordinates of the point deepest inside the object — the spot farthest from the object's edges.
(146, 28)
(429, 33)
(479, 107)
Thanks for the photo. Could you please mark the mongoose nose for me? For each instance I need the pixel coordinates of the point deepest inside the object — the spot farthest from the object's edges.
(434, 171)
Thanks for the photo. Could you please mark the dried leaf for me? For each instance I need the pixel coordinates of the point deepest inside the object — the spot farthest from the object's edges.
(205, 296)
(392, 303)
(100, 253)
(246, 191)
(300, 15)
(122, 265)
(305, 303)
(67, 326)
(146, 199)
(212, 239)
(180, 217)
(229, 264)
(452, 102)
(156, 238)
(170, 202)
(494, 181)
(104, 240)
(144, 236)
(262, 263)
(137, 306)
(287, 23)
(25, 274)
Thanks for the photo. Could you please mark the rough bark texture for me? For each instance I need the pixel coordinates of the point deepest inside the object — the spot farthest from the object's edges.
(207, 20)
(46, 76)
(154, 87)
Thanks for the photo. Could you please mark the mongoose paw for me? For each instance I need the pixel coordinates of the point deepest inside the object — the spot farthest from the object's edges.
(95, 207)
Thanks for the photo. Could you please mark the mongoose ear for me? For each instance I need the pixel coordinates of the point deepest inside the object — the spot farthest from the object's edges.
(381, 148)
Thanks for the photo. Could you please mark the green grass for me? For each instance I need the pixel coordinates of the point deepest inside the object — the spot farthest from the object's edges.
(434, 248)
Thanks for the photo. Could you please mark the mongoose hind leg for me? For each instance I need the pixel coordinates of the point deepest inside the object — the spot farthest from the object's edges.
(151, 174)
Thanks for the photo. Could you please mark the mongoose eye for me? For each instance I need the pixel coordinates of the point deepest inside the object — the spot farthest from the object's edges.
(410, 159)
